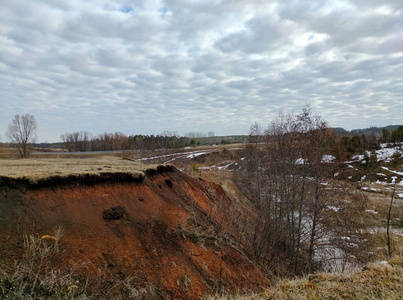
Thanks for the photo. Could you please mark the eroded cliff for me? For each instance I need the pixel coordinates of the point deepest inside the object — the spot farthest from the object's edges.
(158, 227)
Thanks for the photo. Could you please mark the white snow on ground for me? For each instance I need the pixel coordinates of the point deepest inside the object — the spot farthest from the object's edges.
(300, 161)
(325, 159)
(388, 145)
(395, 172)
(207, 168)
(170, 155)
(400, 195)
(224, 167)
(386, 154)
(371, 189)
(365, 188)
(154, 157)
(174, 156)
(334, 208)
(371, 211)
(394, 230)
(196, 154)
(328, 158)
(214, 167)
(357, 157)
(380, 174)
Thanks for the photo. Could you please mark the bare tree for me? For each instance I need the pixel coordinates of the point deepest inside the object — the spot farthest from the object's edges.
(22, 132)
(287, 179)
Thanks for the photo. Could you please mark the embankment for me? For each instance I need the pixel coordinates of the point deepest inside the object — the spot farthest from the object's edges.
(159, 227)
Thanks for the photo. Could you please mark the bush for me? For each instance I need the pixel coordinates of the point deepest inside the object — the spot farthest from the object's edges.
(34, 276)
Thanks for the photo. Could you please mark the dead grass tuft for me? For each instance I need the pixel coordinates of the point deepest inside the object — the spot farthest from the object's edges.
(379, 280)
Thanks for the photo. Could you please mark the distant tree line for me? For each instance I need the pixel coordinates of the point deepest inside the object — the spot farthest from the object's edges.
(392, 136)
(358, 143)
(81, 141)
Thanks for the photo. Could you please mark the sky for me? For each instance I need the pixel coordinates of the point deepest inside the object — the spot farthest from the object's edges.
(144, 67)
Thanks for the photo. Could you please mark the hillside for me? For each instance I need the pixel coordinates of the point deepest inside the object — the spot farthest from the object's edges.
(371, 130)
(381, 280)
(125, 228)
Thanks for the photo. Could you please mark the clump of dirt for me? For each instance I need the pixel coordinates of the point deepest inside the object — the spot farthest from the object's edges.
(169, 183)
(165, 233)
(115, 213)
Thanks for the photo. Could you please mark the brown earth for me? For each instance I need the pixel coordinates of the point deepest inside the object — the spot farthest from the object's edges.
(160, 228)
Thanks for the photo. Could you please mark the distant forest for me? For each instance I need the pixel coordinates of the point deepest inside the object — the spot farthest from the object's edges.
(354, 141)
(84, 141)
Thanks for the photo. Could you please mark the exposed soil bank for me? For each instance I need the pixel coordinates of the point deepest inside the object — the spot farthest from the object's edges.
(158, 228)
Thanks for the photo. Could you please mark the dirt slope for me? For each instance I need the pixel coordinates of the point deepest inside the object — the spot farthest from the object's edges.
(161, 228)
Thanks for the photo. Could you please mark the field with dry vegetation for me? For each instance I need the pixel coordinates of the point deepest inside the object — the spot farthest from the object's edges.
(358, 240)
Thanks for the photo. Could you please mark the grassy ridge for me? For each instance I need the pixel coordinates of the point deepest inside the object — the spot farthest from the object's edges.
(380, 280)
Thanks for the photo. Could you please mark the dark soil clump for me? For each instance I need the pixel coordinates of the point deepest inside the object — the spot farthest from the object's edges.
(168, 183)
(115, 213)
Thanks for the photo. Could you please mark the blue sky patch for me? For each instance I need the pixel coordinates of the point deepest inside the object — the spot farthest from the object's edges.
(163, 10)
(126, 9)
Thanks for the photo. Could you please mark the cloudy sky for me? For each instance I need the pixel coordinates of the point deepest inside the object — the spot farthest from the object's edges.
(149, 66)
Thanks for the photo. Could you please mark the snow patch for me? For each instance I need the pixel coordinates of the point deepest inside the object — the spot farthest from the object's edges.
(328, 158)
(334, 208)
(394, 172)
(195, 154)
(300, 161)
(386, 154)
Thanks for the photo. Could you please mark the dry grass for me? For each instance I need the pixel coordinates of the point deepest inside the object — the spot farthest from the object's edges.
(34, 276)
(6, 152)
(377, 281)
(381, 280)
(35, 169)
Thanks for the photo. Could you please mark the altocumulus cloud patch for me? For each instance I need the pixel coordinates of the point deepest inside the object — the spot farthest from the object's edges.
(150, 66)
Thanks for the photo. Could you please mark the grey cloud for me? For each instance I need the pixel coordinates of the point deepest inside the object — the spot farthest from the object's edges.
(200, 66)
(261, 34)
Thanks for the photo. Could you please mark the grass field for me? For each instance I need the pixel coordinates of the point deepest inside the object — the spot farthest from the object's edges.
(34, 168)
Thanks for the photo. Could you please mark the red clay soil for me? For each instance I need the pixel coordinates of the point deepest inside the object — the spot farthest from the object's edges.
(160, 232)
